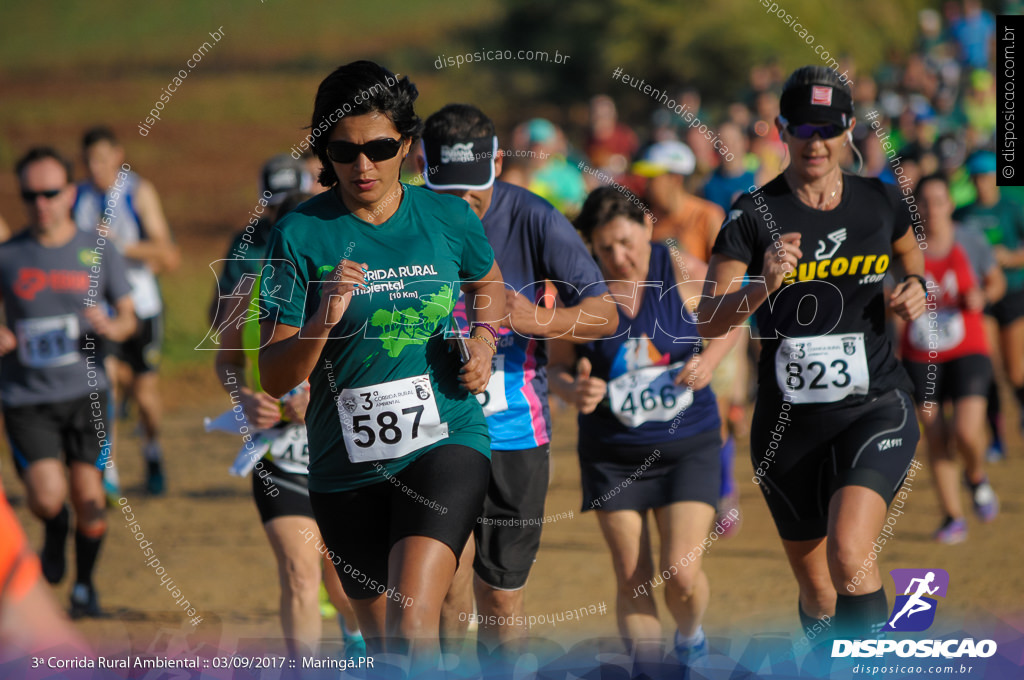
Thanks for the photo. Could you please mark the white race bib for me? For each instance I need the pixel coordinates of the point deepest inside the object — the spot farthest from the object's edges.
(649, 394)
(145, 293)
(290, 448)
(944, 332)
(822, 369)
(493, 399)
(389, 420)
(48, 341)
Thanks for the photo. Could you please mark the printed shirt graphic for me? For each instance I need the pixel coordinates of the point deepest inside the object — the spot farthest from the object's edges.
(661, 334)
(44, 291)
(394, 331)
(915, 605)
(847, 252)
(947, 329)
(532, 242)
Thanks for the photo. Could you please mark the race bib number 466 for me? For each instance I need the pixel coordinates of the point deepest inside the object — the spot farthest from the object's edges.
(648, 395)
(822, 369)
(389, 420)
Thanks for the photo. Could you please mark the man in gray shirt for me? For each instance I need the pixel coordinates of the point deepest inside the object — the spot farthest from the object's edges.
(56, 284)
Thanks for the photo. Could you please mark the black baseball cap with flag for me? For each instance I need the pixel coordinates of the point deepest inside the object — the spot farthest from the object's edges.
(816, 104)
(460, 164)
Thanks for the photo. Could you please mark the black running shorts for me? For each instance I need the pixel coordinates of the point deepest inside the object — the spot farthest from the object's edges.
(77, 427)
(967, 376)
(801, 457)
(508, 530)
(439, 495)
(278, 493)
(142, 350)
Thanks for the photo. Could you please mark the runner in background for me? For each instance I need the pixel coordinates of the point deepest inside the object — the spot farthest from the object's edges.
(610, 145)
(732, 177)
(280, 453)
(280, 177)
(946, 354)
(54, 281)
(532, 242)
(1002, 222)
(689, 223)
(138, 229)
(648, 426)
(548, 170)
(993, 284)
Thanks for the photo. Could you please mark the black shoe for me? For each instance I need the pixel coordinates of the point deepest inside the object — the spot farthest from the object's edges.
(154, 478)
(52, 556)
(84, 602)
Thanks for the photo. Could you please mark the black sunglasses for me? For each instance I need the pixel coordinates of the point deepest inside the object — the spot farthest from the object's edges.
(31, 196)
(807, 130)
(377, 150)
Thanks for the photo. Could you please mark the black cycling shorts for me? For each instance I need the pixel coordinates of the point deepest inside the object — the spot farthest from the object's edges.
(802, 456)
(967, 376)
(439, 495)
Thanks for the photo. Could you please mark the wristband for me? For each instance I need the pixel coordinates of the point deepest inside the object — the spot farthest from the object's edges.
(486, 326)
(486, 341)
(924, 284)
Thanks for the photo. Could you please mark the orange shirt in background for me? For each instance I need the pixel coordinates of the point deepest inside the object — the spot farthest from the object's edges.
(695, 226)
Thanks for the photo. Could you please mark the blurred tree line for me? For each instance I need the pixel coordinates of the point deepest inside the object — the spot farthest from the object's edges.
(668, 43)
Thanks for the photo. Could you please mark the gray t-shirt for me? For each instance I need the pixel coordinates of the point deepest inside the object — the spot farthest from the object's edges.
(978, 250)
(45, 292)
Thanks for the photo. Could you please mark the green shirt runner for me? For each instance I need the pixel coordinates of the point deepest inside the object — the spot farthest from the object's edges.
(385, 389)
(1003, 225)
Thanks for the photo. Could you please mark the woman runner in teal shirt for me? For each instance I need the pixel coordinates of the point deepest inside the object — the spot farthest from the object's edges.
(358, 290)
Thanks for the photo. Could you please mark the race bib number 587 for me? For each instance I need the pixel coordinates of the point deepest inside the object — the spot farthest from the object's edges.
(389, 420)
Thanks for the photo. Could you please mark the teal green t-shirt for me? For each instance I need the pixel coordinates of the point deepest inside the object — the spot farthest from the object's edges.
(1003, 225)
(385, 389)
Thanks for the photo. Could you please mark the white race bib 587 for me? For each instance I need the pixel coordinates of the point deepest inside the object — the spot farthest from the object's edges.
(822, 369)
(389, 420)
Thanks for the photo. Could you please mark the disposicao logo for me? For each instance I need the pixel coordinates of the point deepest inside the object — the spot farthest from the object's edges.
(914, 611)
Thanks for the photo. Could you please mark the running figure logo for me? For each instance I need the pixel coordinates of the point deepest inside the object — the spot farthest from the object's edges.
(914, 610)
(837, 237)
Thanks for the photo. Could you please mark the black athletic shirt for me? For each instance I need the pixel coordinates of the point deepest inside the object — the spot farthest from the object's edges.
(846, 254)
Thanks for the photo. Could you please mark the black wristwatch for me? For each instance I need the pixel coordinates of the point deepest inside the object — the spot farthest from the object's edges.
(924, 284)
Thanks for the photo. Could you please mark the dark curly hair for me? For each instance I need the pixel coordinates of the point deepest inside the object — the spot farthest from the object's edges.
(356, 89)
(602, 206)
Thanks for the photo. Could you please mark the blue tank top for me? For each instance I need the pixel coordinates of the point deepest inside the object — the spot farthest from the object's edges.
(643, 406)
